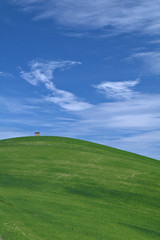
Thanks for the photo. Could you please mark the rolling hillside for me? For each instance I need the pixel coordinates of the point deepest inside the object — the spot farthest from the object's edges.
(54, 188)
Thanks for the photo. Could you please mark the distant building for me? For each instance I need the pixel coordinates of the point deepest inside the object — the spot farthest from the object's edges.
(37, 133)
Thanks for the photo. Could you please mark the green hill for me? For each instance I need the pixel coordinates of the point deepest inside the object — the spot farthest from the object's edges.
(54, 188)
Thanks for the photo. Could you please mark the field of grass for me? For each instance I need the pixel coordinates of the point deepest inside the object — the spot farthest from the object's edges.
(54, 188)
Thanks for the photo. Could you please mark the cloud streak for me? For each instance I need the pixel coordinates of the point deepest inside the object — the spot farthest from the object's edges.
(140, 113)
(118, 90)
(131, 124)
(123, 16)
(42, 72)
(151, 60)
(5, 75)
(14, 106)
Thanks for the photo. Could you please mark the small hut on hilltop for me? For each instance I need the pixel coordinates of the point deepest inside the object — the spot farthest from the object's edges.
(37, 134)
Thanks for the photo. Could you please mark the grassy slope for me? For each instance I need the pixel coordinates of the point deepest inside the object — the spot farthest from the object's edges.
(54, 188)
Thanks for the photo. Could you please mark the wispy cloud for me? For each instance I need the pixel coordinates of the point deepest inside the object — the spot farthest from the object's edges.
(151, 60)
(145, 143)
(118, 90)
(123, 16)
(155, 41)
(131, 124)
(5, 75)
(141, 112)
(42, 72)
(15, 106)
(1, 73)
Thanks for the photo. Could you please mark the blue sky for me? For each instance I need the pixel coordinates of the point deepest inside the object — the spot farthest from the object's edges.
(83, 69)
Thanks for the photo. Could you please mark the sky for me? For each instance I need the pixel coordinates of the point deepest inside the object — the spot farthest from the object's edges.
(82, 69)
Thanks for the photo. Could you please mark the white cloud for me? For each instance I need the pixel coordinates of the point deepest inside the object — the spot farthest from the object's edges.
(141, 113)
(123, 16)
(42, 72)
(5, 75)
(68, 101)
(118, 90)
(151, 60)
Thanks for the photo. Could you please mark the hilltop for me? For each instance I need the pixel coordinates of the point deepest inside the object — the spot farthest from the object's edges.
(54, 188)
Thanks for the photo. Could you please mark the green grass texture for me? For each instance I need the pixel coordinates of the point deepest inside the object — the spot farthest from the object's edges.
(54, 188)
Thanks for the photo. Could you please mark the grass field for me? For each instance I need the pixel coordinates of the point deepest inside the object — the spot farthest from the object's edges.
(54, 188)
